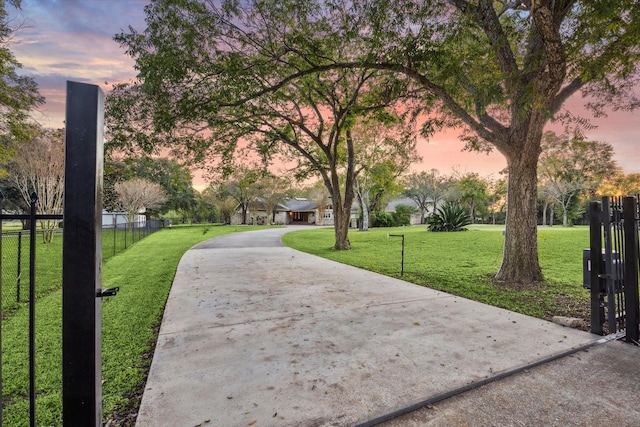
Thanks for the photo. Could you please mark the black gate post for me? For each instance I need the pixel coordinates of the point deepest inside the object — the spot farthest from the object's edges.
(82, 257)
(32, 310)
(595, 246)
(631, 269)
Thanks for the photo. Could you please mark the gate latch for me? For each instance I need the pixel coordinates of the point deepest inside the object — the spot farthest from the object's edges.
(108, 292)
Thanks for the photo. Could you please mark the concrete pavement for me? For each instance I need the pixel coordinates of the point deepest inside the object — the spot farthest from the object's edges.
(255, 333)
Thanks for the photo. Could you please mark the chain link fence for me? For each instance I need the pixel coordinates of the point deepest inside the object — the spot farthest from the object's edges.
(14, 265)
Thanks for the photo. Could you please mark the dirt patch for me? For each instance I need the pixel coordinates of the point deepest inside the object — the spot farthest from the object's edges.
(569, 306)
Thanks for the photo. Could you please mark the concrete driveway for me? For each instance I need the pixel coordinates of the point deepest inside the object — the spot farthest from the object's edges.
(255, 333)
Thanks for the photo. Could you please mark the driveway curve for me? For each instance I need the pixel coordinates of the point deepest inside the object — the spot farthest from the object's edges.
(256, 333)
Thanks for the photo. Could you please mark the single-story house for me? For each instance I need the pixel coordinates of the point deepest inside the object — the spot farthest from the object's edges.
(297, 210)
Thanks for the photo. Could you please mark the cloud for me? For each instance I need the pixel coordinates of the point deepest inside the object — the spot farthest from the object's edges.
(62, 40)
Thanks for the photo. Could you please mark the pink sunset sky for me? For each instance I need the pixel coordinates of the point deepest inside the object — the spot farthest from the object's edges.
(73, 40)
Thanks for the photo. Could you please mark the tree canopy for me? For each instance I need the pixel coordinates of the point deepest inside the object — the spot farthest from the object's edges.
(139, 195)
(174, 178)
(18, 94)
(570, 168)
(213, 73)
(37, 165)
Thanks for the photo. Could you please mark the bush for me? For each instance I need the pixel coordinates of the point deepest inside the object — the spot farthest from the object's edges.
(402, 215)
(449, 217)
(383, 219)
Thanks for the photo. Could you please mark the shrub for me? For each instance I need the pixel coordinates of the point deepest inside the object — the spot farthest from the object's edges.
(402, 215)
(383, 219)
(449, 217)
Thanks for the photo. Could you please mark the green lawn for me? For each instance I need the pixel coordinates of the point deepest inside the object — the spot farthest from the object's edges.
(464, 263)
(144, 274)
(16, 244)
(460, 263)
(15, 282)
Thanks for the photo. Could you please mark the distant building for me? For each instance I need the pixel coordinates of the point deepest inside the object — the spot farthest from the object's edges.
(119, 219)
(297, 210)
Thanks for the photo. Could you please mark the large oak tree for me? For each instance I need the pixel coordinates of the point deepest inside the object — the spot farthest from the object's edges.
(500, 69)
(214, 78)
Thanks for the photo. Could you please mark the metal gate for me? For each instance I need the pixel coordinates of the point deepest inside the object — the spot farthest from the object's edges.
(81, 259)
(614, 260)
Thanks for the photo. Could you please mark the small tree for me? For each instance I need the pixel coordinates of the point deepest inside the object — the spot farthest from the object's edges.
(226, 206)
(38, 166)
(471, 189)
(426, 187)
(571, 168)
(137, 194)
(272, 189)
(320, 195)
(242, 187)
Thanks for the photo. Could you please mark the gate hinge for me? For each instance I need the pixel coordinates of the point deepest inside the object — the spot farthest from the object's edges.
(108, 292)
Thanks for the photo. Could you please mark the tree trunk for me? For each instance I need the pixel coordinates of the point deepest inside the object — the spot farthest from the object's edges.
(552, 210)
(365, 218)
(342, 217)
(362, 198)
(520, 258)
(244, 213)
(565, 217)
(544, 212)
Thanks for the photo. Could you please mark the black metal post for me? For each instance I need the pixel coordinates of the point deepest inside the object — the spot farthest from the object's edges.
(608, 273)
(595, 250)
(19, 273)
(115, 231)
(402, 259)
(32, 310)
(632, 302)
(82, 282)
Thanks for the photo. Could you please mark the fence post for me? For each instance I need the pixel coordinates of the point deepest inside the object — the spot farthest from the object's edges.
(82, 257)
(19, 273)
(632, 303)
(32, 310)
(115, 232)
(595, 250)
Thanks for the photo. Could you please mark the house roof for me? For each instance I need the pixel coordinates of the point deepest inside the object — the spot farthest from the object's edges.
(391, 207)
(300, 204)
(260, 205)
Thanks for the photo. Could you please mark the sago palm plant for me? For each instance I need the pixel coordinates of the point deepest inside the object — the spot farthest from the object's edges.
(449, 217)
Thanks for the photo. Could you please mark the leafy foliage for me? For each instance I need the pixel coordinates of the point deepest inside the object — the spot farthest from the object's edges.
(174, 178)
(18, 94)
(450, 217)
(252, 70)
(38, 166)
(426, 187)
(138, 194)
(570, 169)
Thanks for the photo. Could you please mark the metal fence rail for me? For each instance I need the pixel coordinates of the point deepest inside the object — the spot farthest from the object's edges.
(19, 269)
(118, 237)
(614, 263)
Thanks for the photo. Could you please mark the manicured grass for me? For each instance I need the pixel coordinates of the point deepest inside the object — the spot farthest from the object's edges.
(15, 282)
(464, 263)
(144, 274)
(15, 277)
